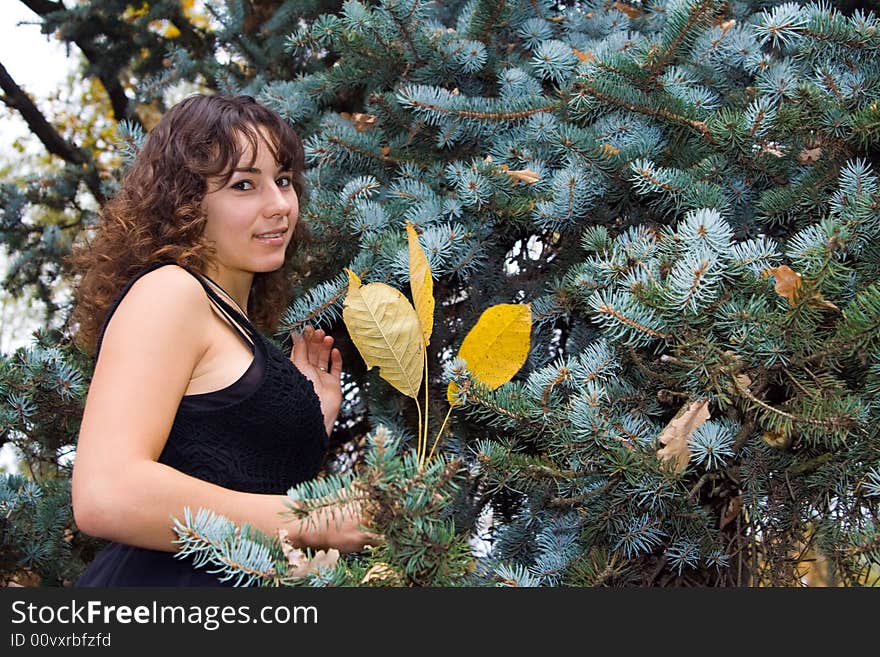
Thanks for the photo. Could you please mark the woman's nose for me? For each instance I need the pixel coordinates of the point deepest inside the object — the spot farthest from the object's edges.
(277, 202)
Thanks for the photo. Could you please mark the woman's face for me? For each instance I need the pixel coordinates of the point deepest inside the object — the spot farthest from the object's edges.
(250, 219)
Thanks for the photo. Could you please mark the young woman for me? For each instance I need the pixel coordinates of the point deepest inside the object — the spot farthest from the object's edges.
(190, 405)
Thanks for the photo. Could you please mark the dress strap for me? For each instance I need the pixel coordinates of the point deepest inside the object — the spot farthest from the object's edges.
(233, 315)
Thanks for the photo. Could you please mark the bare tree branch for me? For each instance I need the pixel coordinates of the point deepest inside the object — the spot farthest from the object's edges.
(115, 91)
(16, 98)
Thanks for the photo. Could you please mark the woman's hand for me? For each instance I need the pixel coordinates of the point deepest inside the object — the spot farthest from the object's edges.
(343, 528)
(313, 354)
(340, 525)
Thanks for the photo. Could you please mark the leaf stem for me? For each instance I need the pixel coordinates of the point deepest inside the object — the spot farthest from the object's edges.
(440, 433)
(423, 436)
(419, 441)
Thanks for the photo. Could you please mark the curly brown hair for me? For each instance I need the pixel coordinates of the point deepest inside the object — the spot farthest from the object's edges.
(157, 213)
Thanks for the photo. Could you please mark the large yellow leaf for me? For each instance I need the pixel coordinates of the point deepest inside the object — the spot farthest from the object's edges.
(497, 346)
(385, 329)
(421, 283)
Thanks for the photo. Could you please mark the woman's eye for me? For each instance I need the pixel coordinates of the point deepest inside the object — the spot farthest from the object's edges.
(284, 181)
(242, 185)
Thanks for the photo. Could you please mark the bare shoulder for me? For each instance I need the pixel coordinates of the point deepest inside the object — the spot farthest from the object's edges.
(170, 285)
(167, 301)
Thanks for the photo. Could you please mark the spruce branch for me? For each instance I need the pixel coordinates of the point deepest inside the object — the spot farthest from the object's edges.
(655, 112)
(699, 15)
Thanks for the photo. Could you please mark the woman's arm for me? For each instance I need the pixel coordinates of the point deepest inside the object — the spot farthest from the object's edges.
(120, 492)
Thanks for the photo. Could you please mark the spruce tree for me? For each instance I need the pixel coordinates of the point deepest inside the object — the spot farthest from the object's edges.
(685, 194)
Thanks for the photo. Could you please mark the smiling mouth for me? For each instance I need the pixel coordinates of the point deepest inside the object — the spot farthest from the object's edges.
(273, 235)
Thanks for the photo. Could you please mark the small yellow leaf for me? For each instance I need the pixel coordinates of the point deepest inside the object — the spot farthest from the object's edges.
(608, 150)
(385, 329)
(583, 56)
(678, 432)
(451, 391)
(420, 282)
(497, 346)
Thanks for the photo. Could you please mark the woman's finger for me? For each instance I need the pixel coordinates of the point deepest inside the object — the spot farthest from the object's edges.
(297, 353)
(336, 362)
(324, 353)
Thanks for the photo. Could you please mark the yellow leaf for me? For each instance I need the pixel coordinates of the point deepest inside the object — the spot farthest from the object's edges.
(451, 390)
(497, 346)
(583, 56)
(421, 284)
(385, 329)
(678, 432)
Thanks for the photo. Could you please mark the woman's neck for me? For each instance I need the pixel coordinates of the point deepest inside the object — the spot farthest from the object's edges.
(236, 284)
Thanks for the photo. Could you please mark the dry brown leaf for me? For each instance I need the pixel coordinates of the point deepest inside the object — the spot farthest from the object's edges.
(381, 572)
(788, 285)
(788, 282)
(734, 506)
(525, 176)
(629, 10)
(809, 155)
(776, 440)
(678, 432)
(743, 380)
(301, 564)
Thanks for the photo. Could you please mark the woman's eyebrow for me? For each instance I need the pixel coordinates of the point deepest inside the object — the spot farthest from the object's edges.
(258, 171)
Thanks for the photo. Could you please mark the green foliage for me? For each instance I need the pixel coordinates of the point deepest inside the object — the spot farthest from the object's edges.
(640, 174)
(408, 506)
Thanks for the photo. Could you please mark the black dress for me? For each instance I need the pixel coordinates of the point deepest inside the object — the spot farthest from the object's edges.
(262, 434)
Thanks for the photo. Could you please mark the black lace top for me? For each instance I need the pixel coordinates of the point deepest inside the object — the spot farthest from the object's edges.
(262, 434)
